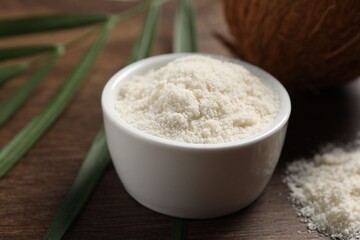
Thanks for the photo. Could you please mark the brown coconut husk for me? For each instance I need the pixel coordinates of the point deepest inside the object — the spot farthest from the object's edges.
(307, 43)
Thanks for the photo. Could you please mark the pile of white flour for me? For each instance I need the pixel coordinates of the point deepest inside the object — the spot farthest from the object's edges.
(326, 192)
(198, 99)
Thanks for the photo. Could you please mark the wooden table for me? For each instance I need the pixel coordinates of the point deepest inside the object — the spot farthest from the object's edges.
(32, 191)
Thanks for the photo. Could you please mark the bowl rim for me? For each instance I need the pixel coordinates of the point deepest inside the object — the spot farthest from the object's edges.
(107, 104)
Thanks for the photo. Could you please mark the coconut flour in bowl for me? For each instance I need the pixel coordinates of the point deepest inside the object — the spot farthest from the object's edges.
(198, 99)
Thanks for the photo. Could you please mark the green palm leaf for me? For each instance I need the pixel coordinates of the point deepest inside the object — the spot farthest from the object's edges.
(26, 25)
(179, 226)
(144, 43)
(98, 156)
(28, 136)
(10, 104)
(185, 39)
(96, 160)
(11, 71)
(16, 52)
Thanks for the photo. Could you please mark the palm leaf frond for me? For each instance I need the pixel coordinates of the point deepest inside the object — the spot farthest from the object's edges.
(10, 71)
(98, 156)
(185, 39)
(10, 104)
(24, 51)
(26, 25)
(28, 136)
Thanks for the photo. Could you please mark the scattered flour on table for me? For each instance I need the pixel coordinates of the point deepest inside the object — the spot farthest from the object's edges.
(325, 191)
(198, 99)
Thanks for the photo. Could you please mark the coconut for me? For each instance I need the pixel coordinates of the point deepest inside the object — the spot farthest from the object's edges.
(303, 43)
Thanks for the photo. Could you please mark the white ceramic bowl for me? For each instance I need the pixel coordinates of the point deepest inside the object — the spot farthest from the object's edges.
(192, 180)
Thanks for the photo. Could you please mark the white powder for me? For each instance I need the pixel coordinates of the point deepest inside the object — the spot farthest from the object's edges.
(326, 192)
(198, 99)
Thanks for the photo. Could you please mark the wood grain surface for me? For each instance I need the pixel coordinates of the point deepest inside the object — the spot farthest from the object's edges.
(32, 191)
